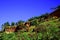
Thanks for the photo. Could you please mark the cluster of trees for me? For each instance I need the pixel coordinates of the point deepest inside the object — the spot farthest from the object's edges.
(33, 20)
(7, 24)
(45, 31)
(38, 30)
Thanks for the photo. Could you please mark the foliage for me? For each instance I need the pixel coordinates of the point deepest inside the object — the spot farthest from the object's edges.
(19, 22)
(5, 25)
(12, 24)
(39, 29)
(47, 31)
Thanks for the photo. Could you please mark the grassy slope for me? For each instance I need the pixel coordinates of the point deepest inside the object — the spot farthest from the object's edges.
(25, 35)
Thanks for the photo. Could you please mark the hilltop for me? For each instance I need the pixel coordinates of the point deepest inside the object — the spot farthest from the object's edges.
(44, 27)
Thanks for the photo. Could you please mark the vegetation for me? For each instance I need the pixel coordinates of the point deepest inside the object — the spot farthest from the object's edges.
(48, 30)
(40, 28)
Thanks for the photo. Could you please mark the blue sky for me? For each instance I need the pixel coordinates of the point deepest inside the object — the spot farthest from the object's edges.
(14, 10)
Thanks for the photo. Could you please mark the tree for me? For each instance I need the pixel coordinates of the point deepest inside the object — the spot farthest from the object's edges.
(12, 24)
(34, 22)
(58, 7)
(44, 15)
(5, 25)
(20, 22)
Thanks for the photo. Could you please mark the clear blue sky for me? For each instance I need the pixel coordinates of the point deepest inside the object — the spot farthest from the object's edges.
(14, 10)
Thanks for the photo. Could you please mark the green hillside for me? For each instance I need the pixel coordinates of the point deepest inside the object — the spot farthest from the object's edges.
(45, 30)
(36, 28)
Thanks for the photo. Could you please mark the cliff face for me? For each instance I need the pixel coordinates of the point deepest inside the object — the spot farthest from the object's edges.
(56, 13)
